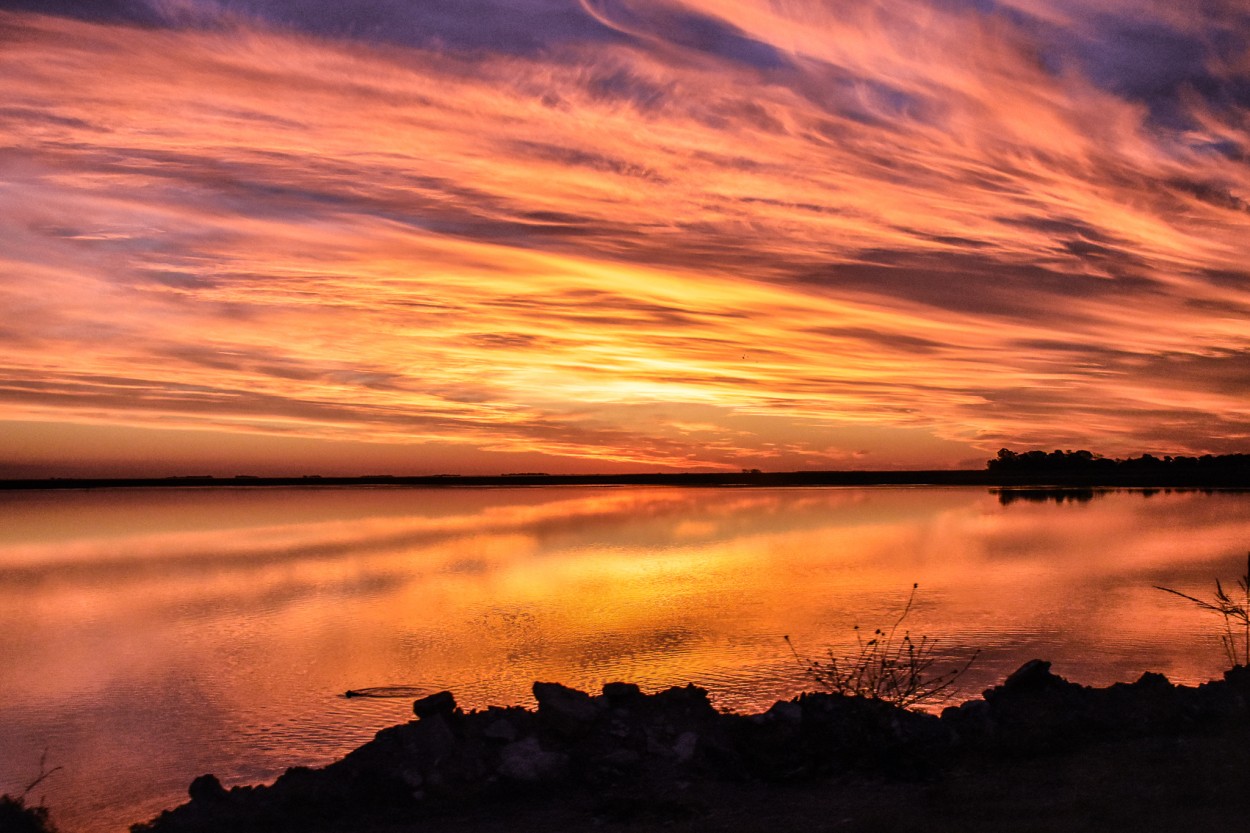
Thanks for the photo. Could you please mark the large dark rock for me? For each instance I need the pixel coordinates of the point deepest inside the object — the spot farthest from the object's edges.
(566, 710)
(529, 762)
(1238, 678)
(620, 695)
(207, 788)
(1034, 710)
(443, 702)
(1031, 680)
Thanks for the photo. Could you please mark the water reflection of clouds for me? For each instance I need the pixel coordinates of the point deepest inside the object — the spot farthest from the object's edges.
(366, 556)
(484, 591)
(276, 538)
(638, 519)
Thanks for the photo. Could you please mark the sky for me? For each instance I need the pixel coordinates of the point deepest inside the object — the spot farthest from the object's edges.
(486, 236)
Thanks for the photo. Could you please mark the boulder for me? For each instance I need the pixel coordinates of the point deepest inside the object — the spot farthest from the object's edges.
(500, 729)
(207, 788)
(685, 746)
(786, 711)
(443, 702)
(528, 762)
(1033, 676)
(1238, 678)
(566, 710)
(431, 738)
(621, 694)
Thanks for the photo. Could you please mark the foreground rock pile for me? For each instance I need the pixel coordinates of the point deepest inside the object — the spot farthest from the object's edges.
(623, 739)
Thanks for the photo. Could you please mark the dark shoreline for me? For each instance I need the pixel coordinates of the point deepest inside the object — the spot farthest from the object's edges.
(1036, 753)
(1179, 479)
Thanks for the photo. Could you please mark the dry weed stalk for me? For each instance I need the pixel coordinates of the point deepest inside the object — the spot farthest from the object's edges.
(19, 816)
(886, 667)
(1235, 613)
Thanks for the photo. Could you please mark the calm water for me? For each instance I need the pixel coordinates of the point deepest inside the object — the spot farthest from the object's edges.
(147, 637)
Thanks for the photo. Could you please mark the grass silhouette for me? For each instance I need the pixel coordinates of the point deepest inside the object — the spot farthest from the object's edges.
(17, 816)
(893, 669)
(1235, 613)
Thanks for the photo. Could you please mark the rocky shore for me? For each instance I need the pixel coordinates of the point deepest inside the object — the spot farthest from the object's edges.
(1035, 753)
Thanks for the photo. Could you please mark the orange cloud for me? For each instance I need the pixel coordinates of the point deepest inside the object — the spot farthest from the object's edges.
(892, 234)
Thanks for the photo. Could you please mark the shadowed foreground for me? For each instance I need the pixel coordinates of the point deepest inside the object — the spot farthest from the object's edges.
(1037, 753)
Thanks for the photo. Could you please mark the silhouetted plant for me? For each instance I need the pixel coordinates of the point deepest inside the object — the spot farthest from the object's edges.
(886, 667)
(1234, 612)
(16, 816)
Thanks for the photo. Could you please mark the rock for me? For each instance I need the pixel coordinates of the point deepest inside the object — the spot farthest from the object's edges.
(619, 694)
(500, 729)
(637, 744)
(621, 758)
(786, 712)
(689, 696)
(429, 741)
(566, 710)
(1220, 702)
(208, 789)
(1035, 710)
(1153, 680)
(684, 748)
(528, 762)
(1238, 677)
(444, 702)
(969, 722)
(1033, 675)
(657, 747)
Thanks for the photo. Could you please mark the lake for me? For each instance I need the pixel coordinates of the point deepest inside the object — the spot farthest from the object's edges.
(150, 636)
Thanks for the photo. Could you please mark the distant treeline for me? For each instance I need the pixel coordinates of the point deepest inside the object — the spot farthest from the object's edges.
(1087, 462)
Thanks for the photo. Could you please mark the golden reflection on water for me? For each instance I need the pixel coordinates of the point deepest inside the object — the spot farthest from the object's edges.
(150, 636)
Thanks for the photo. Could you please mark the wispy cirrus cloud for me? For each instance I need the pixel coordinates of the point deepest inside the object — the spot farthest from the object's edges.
(898, 234)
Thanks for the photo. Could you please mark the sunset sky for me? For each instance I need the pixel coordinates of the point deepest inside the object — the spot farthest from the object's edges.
(483, 236)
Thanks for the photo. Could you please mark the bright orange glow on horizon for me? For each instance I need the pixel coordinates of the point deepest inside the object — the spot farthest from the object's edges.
(889, 237)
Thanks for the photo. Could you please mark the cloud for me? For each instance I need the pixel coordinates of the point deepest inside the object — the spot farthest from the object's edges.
(506, 26)
(938, 220)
